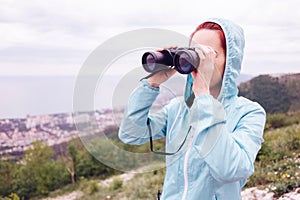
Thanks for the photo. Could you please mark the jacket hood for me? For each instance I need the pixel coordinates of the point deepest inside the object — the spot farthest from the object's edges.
(235, 42)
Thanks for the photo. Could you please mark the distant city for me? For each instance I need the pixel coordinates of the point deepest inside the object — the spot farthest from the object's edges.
(16, 135)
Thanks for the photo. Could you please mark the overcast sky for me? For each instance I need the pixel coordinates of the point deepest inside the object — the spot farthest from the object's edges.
(39, 37)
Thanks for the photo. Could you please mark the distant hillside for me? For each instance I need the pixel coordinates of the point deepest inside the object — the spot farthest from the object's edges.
(276, 93)
(292, 83)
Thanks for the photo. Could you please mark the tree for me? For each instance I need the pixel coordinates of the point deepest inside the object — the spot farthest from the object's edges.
(70, 159)
(39, 174)
(7, 175)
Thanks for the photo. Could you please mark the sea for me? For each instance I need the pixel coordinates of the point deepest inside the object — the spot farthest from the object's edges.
(21, 96)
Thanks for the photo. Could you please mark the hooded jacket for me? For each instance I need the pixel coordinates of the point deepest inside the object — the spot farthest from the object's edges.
(224, 134)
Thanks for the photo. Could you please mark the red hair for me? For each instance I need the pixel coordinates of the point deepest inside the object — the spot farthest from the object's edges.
(212, 26)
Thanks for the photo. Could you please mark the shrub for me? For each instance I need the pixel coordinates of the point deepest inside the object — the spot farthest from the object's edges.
(93, 187)
(12, 196)
(276, 120)
(282, 119)
(278, 162)
(116, 184)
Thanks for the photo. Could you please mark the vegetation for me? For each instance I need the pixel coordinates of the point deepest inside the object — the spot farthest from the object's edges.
(276, 94)
(267, 91)
(39, 172)
(36, 174)
(277, 166)
(42, 170)
(282, 120)
(141, 186)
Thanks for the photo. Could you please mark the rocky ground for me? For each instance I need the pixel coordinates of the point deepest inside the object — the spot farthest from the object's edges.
(256, 194)
(71, 196)
(247, 194)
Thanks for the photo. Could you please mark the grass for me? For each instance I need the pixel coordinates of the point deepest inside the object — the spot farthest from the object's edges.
(277, 169)
(141, 186)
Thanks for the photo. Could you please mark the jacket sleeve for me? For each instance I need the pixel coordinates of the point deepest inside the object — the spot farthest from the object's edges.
(133, 129)
(229, 155)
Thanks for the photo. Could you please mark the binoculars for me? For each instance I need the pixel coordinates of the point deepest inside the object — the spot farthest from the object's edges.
(183, 60)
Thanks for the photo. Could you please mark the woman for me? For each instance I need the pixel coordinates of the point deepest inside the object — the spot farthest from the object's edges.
(223, 132)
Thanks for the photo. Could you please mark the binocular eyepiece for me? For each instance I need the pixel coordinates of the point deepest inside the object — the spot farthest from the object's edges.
(183, 60)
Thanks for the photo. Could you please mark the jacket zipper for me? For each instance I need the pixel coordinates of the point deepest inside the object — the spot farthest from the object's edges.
(185, 175)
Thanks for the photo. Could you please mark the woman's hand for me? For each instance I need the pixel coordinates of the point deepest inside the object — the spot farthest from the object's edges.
(162, 76)
(203, 75)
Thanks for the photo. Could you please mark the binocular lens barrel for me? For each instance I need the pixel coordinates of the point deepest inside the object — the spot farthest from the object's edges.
(154, 61)
(186, 61)
(149, 62)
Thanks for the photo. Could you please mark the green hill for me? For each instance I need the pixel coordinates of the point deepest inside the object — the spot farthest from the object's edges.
(276, 93)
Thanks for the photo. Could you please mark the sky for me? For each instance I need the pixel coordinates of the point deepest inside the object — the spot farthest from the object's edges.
(39, 37)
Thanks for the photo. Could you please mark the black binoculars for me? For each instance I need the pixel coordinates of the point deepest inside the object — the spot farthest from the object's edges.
(183, 60)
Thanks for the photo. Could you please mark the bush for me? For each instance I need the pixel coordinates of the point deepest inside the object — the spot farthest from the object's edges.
(93, 187)
(116, 184)
(282, 119)
(12, 196)
(278, 162)
(276, 120)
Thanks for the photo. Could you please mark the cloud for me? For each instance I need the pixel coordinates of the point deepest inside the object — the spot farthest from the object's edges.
(62, 32)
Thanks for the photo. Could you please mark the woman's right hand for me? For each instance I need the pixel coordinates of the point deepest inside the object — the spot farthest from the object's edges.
(162, 76)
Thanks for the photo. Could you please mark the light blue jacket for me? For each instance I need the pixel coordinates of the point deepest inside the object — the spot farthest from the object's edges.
(224, 139)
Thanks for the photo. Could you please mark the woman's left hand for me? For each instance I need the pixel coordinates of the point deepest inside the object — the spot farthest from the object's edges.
(204, 73)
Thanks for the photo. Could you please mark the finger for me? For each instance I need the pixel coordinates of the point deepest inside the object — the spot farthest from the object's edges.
(203, 51)
(210, 51)
(166, 48)
(200, 53)
(159, 50)
(206, 50)
(171, 47)
(194, 74)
